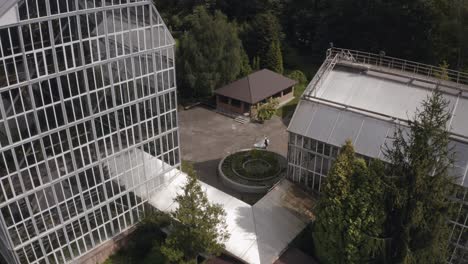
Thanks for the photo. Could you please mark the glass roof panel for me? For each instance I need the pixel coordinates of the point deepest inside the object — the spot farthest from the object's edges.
(323, 123)
(372, 137)
(302, 117)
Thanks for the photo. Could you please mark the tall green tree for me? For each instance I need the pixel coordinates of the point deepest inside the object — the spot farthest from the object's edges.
(443, 74)
(451, 37)
(201, 225)
(258, 35)
(350, 214)
(245, 65)
(247, 10)
(256, 63)
(406, 29)
(421, 185)
(209, 53)
(274, 58)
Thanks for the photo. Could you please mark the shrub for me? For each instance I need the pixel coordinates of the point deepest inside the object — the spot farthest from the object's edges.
(239, 159)
(144, 243)
(298, 76)
(267, 111)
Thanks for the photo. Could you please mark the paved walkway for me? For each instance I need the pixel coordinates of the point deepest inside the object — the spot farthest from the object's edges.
(206, 137)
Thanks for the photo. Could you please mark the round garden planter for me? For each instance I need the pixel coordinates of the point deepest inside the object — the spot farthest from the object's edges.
(252, 170)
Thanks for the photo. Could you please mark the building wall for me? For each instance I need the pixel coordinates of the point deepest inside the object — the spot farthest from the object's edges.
(225, 104)
(286, 95)
(83, 96)
(100, 254)
(226, 107)
(309, 162)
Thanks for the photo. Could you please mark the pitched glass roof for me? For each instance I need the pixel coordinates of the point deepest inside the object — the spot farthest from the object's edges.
(388, 94)
(335, 124)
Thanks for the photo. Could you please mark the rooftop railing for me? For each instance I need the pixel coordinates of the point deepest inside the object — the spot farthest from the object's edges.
(320, 76)
(401, 65)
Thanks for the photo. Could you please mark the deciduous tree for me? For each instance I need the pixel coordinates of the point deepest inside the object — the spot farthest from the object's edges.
(209, 54)
(267, 110)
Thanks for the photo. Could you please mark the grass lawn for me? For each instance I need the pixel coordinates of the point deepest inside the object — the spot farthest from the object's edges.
(288, 109)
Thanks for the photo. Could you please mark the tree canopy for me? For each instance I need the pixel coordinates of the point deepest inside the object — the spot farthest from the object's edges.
(428, 31)
(200, 227)
(395, 213)
(274, 59)
(420, 186)
(209, 54)
(350, 213)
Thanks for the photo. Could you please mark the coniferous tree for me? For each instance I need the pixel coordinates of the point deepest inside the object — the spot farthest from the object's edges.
(330, 222)
(258, 35)
(366, 215)
(245, 65)
(201, 226)
(421, 185)
(256, 63)
(274, 58)
(350, 213)
(443, 73)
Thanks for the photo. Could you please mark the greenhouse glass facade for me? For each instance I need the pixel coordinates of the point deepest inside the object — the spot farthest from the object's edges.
(88, 122)
(364, 98)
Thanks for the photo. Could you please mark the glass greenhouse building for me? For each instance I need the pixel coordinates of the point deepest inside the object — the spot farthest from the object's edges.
(87, 97)
(364, 97)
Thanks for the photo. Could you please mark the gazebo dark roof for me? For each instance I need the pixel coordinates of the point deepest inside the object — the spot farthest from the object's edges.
(256, 86)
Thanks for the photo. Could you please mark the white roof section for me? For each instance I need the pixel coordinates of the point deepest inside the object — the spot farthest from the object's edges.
(391, 95)
(5, 5)
(259, 233)
(129, 169)
(8, 12)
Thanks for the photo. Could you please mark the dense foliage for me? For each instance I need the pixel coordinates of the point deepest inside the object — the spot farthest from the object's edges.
(420, 186)
(266, 110)
(261, 38)
(429, 31)
(395, 213)
(298, 76)
(265, 164)
(145, 242)
(210, 54)
(200, 225)
(350, 213)
(273, 58)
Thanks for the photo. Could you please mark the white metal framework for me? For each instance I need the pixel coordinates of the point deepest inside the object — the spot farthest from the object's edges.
(85, 86)
(363, 97)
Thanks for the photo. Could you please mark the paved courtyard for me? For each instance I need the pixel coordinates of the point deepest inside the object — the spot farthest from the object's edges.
(206, 137)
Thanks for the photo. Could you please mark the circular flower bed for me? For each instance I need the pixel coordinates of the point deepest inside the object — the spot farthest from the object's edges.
(253, 171)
